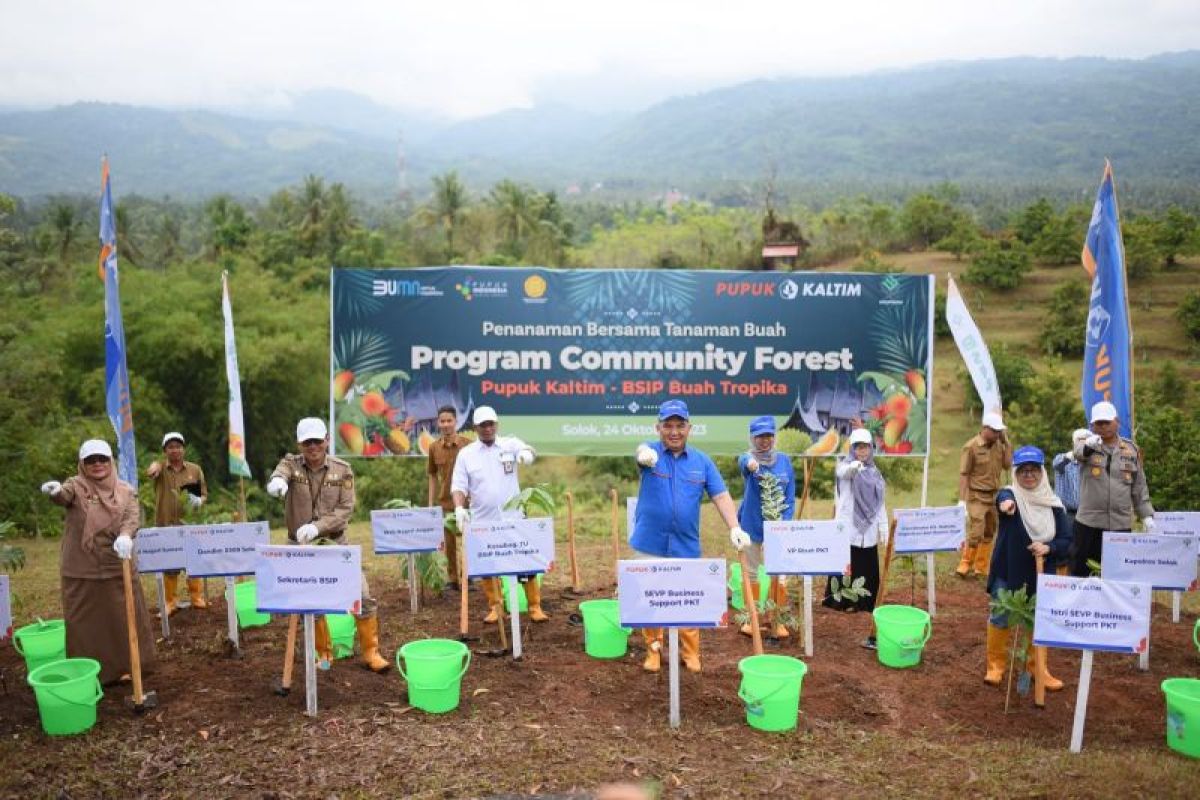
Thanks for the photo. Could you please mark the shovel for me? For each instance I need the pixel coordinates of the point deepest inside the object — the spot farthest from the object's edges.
(751, 603)
(503, 651)
(464, 627)
(284, 686)
(141, 700)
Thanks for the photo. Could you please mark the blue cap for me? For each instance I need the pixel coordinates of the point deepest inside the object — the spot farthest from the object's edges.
(1029, 455)
(673, 408)
(761, 425)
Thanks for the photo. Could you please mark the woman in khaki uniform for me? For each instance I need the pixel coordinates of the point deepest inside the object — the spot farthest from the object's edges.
(102, 519)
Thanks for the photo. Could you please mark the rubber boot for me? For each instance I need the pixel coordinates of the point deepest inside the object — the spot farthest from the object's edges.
(323, 643)
(491, 590)
(533, 595)
(964, 564)
(997, 654)
(689, 648)
(983, 559)
(171, 589)
(196, 590)
(653, 639)
(747, 629)
(781, 602)
(368, 644)
(1052, 683)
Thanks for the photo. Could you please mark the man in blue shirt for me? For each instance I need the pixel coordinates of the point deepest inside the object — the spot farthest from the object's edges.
(674, 479)
(1066, 484)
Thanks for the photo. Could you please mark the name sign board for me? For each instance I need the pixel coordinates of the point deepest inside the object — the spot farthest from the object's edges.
(308, 579)
(1166, 561)
(160, 549)
(672, 592)
(227, 549)
(1092, 614)
(407, 530)
(509, 547)
(6, 626)
(930, 530)
(630, 516)
(806, 547)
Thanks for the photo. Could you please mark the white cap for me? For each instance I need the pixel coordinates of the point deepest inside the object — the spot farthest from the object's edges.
(94, 447)
(174, 435)
(1103, 411)
(310, 428)
(993, 420)
(484, 414)
(860, 436)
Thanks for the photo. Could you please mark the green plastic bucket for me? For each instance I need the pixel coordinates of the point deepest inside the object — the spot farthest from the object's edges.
(67, 692)
(41, 643)
(737, 600)
(603, 636)
(341, 631)
(1183, 715)
(770, 691)
(245, 596)
(434, 673)
(522, 600)
(901, 633)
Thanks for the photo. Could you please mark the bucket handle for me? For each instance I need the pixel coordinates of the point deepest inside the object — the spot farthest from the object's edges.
(447, 684)
(755, 706)
(924, 638)
(91, 702)
(17, 645)
(1196, 634)
(615, 622)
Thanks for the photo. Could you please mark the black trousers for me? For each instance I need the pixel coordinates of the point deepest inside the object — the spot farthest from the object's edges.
(1086, 545)
(864, 563)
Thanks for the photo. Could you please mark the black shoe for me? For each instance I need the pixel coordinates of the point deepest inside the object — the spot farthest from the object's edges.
(454, 586)
(870, 643)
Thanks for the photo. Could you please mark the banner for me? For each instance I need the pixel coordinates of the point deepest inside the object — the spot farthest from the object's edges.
(1108, 340)
(630, 516)
(237, 431)
(228, 549)
(161, 549)
(929, 530)
(973, 349)
(509, 547)
(806, 547)
(6, 623)
(578, 361)
(117, 401)
(407, 530)
(1162, 561)
(1092, 614)
(1182, 523)
(672, 592)
(308, 579)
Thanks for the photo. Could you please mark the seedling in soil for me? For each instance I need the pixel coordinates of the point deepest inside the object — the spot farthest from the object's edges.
(1020, 608)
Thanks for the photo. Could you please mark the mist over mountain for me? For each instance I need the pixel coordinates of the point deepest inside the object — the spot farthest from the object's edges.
(1004, 121)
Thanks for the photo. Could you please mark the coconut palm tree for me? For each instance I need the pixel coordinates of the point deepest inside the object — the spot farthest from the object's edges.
(447, 206)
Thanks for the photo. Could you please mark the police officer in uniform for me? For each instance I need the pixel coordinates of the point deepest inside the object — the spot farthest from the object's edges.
(318, 492)
(1112, 487)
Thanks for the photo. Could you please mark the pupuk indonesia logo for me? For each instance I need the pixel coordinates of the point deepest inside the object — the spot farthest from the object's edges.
(470, 288)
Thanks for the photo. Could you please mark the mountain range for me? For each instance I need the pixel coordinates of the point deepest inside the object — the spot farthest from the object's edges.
(1000, 121)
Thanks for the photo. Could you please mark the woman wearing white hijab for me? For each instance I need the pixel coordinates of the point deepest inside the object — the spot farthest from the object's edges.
(1032, 523)
(858, 497)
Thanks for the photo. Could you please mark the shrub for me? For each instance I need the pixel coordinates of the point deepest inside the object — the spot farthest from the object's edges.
(1013, 370)
(1065, 320)
(1047, 412)
(1170, 442)
(1000, 265)
(1188, 314)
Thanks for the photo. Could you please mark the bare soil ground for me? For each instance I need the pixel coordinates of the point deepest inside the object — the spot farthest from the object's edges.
(560, 723)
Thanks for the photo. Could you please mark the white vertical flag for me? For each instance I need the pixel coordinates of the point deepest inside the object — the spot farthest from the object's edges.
(237, 432)
(973, 349)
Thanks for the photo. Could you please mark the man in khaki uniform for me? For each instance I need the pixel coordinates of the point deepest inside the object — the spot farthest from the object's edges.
(318, 492)
(177, 482)
(986, 459)
(442, 455)
(1112, 487)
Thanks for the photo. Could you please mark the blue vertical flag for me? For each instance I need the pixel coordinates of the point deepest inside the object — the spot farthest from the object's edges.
(116, 375)
(1108, 347)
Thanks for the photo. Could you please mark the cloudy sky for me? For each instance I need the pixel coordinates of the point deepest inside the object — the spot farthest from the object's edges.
(464, 58)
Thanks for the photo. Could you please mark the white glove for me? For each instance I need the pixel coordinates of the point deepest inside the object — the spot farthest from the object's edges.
(646, 456)
(277, 487)
(739, 537)
(123, 547)
(462, 517)
(525, 455)
(306, 533)
(752, 464)
(1094, 441)
(853, 468)
(963, 505)
(51, 488)
(1149, 524)
(196, 500)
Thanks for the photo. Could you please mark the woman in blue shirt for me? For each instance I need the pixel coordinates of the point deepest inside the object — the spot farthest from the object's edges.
(756, 465)
(1032, 523)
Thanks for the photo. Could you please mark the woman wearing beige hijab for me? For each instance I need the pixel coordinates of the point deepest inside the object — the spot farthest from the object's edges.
(102, 519)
